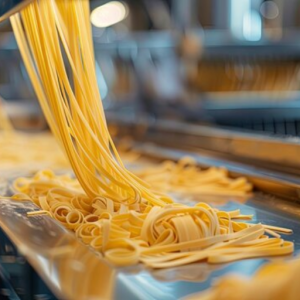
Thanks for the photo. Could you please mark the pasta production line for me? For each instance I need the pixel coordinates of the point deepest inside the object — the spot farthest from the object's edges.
(178, 80)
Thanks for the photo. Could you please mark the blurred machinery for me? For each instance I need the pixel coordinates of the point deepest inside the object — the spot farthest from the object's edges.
(231, 62)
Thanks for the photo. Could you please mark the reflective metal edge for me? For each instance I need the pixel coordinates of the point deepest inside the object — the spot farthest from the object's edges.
(68, 267)
(255, 148)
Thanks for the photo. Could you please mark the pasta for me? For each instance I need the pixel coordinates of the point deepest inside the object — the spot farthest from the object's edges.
(25, 153)
(265, 285)
(185, 177)
(107, 206)
(160, 237)
(76, 117)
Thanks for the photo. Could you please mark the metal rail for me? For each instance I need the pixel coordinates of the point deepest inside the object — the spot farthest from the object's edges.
(263, 151)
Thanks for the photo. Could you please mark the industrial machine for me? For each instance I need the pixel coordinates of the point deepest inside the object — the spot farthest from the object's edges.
(215, 80)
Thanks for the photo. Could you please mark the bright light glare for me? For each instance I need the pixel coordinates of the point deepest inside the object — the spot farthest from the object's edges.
(109, 14)
(252, 26)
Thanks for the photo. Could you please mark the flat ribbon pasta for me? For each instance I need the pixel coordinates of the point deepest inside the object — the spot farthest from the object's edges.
(160, 237)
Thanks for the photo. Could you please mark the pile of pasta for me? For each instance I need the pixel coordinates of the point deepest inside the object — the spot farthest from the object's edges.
(185, 177)
(274, 281)
(107, 206)
(23, 153)
(158, 236)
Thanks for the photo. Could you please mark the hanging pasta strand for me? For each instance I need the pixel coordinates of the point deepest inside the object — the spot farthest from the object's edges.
(77, 112)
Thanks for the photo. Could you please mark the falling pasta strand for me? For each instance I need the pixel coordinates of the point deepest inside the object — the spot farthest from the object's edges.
(78, 114)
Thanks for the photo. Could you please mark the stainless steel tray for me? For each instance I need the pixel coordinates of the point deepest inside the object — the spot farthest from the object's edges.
(73, 271)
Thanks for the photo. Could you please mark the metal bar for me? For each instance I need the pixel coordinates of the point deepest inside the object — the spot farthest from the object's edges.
(10, 7)
(281, 154)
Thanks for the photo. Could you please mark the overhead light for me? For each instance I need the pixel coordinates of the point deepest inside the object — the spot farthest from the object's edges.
(269, 10)
(109, 14)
